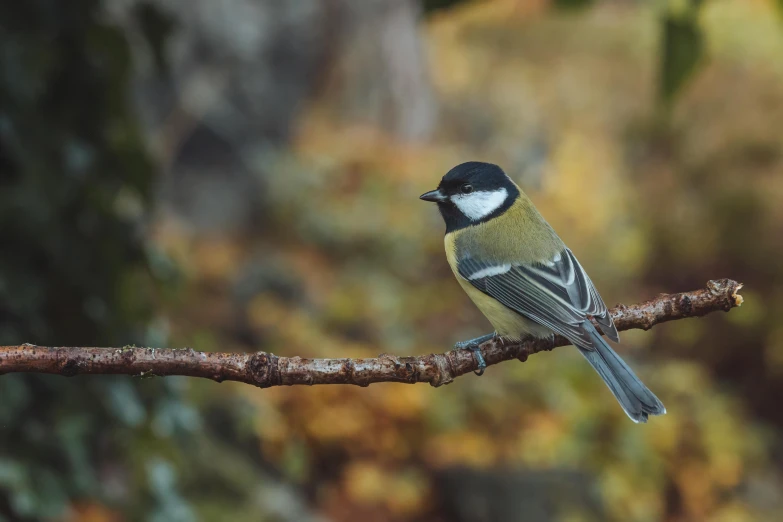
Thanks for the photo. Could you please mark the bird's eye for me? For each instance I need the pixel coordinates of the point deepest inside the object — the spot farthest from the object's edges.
(467, 188)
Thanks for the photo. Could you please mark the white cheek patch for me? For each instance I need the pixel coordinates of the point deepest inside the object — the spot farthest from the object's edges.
(477, 205)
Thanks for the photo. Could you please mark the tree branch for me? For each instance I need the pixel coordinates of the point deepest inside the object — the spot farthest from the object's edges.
(265, 369)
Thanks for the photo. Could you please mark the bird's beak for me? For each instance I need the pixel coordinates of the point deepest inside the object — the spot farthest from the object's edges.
(434, 195)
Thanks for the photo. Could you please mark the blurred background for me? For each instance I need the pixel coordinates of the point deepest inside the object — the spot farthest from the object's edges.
(239, 175)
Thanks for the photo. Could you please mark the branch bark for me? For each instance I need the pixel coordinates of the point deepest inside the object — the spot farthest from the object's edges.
(264, 369)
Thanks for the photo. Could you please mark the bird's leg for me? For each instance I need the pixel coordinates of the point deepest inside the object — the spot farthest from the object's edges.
(473, 346)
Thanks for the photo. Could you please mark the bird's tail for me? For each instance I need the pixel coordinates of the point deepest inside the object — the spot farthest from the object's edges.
(635, 398)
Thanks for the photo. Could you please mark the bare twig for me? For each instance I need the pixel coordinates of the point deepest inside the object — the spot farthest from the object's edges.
(265, 369)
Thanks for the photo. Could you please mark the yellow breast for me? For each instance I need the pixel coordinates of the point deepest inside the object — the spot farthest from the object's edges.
(506, 321)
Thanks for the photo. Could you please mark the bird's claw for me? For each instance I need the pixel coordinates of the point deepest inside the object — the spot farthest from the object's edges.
(482, 364)
(475, 348)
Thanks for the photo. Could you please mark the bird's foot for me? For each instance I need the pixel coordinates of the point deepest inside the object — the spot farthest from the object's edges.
(474, 346)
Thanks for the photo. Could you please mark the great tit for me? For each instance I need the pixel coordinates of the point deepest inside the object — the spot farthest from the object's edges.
(524, 279)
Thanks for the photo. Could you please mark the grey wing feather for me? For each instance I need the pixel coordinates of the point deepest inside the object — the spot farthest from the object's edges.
(595, 305)
(558, 295)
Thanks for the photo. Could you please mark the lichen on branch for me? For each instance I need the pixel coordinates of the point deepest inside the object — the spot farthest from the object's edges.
(264, 369)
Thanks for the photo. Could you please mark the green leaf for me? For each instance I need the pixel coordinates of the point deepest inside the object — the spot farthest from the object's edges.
(429, 6)
(683, 47)
(572, 4)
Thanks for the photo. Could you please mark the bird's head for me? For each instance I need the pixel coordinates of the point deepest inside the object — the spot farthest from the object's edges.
(472, 193)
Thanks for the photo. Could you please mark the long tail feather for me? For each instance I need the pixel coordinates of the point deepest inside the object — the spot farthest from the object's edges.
(636, 399)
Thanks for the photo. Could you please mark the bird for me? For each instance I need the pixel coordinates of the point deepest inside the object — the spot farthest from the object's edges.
(525, 280)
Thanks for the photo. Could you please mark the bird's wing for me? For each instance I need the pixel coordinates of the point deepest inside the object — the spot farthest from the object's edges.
(557, 294)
